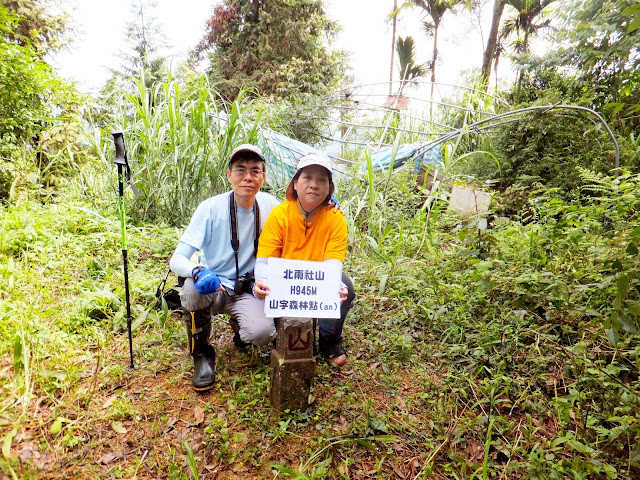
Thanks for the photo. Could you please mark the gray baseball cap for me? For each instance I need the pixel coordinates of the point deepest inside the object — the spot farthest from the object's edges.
(246, 150)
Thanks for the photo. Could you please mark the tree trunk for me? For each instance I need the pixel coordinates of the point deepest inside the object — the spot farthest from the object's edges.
(492, 41)
(525, 49)
(393, 44)
(433, 65)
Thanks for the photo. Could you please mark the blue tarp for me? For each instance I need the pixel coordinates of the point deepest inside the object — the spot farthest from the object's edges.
(282, 154)
(416, 152)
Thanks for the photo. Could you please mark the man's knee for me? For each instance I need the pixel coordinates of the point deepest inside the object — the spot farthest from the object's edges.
(192, 301)
(258, 334)
(254, 326)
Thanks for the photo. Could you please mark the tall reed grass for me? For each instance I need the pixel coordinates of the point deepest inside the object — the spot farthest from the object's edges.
(178, 144)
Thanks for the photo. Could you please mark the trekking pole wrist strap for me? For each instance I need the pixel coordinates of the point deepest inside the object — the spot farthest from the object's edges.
(196, 271)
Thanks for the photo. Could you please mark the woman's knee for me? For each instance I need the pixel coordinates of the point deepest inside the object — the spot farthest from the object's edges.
(351, 292)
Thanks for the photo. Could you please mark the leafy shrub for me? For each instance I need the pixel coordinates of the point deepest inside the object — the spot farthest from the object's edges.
(549, 146)
(39, 112)
(6, 180)
(19, 233)
(549, 85)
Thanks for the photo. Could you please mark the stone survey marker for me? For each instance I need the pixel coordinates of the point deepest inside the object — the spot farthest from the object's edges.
(292, 364)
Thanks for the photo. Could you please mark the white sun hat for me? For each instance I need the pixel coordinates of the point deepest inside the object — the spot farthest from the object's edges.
(307, 161)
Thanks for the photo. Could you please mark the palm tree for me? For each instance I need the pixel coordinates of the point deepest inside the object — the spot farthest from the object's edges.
(436, 10)
(491, 51)
(409, 70)
(523, 23)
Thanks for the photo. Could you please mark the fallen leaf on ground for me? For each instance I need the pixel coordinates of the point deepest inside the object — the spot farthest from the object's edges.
(109, 457)
(28, 451)
(399, 472)
(341, 423)
(474, 450)
(107, 403)
(415, 466)
(239, 468)
(118, 427)
(198, 414)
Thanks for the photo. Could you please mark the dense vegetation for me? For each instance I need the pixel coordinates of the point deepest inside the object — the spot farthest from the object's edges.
(499, 349)
(264, 45)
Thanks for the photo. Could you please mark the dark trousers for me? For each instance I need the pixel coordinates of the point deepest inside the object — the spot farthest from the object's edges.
(330, 328)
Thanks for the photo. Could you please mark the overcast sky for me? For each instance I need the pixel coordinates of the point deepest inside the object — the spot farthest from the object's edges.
(366, 35)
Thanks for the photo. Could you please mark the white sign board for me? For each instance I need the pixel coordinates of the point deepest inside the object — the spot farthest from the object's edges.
(301, 288)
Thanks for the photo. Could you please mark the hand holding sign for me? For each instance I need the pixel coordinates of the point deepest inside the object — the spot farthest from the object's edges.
(299, 288)
(343, 295)
(261, 289)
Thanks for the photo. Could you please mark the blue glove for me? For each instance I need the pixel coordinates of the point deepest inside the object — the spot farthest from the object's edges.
(205, 280)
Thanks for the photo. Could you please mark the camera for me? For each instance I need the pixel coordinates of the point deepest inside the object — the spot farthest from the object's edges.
(245, 283)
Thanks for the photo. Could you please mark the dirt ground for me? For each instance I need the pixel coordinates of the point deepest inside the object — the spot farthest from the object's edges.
(140, 423)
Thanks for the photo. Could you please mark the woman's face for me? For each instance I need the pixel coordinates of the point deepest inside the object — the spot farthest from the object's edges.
(312, 186)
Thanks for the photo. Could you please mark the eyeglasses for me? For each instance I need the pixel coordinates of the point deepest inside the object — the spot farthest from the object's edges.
(242, 171)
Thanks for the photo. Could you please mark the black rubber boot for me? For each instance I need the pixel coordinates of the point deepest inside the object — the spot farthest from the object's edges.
(204, 355)
(236, 335)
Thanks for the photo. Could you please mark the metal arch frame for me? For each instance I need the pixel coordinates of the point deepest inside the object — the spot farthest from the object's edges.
(543, 108)
(337, 94)
(485, 124)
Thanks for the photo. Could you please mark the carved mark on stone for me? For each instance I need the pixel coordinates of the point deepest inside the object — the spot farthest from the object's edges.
(296, 342)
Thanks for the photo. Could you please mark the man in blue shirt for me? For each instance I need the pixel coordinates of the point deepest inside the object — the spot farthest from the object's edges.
(216, 283)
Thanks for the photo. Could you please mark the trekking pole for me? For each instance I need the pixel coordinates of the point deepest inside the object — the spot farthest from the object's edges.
(124, 174)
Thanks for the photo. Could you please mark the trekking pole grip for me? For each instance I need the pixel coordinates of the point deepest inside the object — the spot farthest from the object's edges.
(121, 152)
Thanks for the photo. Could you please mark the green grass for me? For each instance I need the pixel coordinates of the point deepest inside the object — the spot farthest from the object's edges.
(473, 354)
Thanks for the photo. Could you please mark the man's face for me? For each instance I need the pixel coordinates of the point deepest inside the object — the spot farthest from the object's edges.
(246, 176)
